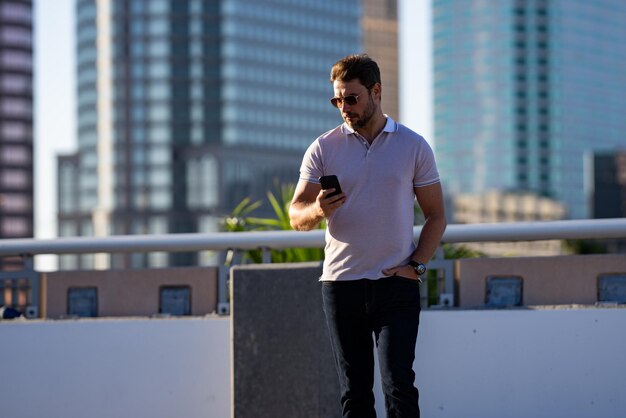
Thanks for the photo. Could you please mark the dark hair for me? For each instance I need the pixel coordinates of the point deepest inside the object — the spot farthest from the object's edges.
(357, 66)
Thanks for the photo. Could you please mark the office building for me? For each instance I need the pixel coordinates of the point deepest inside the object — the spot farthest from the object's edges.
(496, 207)
(523, 90)
(186, 107)
(16, 123)
(380, 41)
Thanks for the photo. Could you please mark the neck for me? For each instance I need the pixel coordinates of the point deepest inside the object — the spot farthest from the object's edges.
(373, 128)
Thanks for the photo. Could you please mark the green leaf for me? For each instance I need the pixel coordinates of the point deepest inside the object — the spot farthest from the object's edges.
(239, 220)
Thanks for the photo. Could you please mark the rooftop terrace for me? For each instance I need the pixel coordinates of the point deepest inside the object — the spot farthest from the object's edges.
(565, 359)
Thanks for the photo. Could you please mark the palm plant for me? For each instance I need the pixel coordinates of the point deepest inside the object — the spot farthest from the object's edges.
(239, 220)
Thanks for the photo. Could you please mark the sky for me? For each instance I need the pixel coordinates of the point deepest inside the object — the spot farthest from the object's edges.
(55, 98)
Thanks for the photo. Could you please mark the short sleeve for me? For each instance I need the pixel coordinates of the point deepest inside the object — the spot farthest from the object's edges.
(426, 172)
(312, 168)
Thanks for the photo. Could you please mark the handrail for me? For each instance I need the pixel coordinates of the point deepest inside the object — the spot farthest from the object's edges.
(537, 231)
(518, 231)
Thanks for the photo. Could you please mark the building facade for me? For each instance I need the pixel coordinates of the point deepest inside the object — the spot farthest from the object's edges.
(187, 107)
(523, 90)
(496, 207)
(380, 40)
(16, 123)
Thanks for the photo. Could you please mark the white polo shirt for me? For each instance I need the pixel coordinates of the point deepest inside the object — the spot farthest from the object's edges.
(373, 230)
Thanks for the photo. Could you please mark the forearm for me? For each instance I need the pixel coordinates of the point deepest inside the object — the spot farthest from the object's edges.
(430, 238)
(305, 216)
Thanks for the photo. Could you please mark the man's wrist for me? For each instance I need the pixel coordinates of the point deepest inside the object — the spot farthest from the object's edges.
(419, 268)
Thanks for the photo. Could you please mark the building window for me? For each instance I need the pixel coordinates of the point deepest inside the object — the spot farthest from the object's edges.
(14, 293)
(15, 131)
(16, 12)
(160, 199)
(15, 178)
(158, 26)
(18, 60)
(158, 48)
(14, 83)
(11, 35)
(13, 226)
(159, 6)
(159, 134)
(159, 70)
(11, 202)
(159, 91)
(16, 107)
(15, 155)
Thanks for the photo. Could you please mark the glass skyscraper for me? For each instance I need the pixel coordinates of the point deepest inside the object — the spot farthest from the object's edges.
(16, 122)
(185, 107)
(524, 91)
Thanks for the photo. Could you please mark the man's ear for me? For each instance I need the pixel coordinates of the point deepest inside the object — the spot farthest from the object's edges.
(377, 90)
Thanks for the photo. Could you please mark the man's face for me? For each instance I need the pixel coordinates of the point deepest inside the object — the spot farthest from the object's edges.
(359, 114)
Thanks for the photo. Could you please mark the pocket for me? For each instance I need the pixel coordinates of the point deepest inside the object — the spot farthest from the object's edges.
(409, 279)
(406, 293)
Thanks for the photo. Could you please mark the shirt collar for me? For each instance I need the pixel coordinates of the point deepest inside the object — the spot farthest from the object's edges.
(390, 126)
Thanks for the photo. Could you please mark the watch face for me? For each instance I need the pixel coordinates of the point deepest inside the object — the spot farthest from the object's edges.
(420, 269)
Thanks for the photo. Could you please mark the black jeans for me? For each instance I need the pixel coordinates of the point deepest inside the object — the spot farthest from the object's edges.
(389, 309)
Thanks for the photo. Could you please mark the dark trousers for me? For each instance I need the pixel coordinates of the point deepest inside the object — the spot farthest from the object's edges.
(389, 309)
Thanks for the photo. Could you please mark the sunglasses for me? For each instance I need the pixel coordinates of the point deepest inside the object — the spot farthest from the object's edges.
(350, 100)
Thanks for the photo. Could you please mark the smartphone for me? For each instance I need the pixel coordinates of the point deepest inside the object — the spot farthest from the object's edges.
(331, 182)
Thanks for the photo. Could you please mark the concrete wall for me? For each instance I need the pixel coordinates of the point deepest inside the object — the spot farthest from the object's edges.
(103, 368)
(131, 292)
(546, 280)
(282, 361)
(522, 363)
(487, 364)
(469, 363)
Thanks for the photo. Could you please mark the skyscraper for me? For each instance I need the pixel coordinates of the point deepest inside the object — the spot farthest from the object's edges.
(16, 122)
(186, 107)
(523, 89)
(380, 41)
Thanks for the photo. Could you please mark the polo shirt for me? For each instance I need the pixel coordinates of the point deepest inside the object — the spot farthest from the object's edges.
(373, 230)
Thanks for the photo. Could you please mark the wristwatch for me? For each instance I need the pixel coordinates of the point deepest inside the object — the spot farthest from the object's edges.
(419, 268)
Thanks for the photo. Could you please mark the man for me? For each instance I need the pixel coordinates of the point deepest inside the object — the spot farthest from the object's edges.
(370, 280)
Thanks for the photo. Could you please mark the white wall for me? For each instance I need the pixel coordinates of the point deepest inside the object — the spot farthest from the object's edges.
(523, 363)
(470, 364)
(156, 368)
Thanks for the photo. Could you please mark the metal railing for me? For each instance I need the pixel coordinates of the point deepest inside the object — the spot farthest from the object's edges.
(270, 240)
(275, 240)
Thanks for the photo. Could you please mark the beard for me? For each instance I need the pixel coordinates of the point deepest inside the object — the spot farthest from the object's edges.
(363, 120)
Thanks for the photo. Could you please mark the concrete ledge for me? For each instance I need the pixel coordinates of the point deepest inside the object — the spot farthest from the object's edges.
(131, 292)
(561, 280)
(513, 363)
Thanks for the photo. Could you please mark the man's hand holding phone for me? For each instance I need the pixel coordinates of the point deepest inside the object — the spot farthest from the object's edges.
(331, 197)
